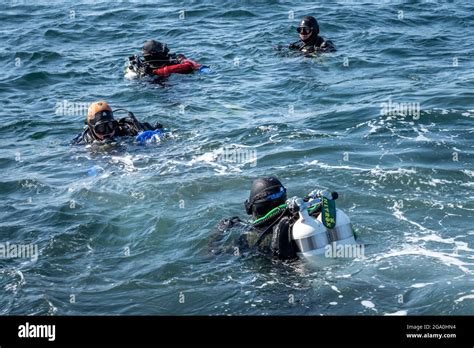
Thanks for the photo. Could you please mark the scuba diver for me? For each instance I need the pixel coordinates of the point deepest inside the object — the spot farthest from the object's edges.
(285, 228)
(157, 61)
(102, 127)
(310, 41)
(267, 235)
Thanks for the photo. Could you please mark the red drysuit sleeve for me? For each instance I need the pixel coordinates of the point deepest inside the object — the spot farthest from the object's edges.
(187, 66)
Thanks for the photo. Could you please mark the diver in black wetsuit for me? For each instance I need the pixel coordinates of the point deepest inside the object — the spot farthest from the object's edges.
(157, 55)
(267, 233)
(101, 126)
(157, 61)
(285, 229)
(310, 41)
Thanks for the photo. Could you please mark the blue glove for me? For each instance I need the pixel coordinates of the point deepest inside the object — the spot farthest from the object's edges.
(150, 135)
(205, 70)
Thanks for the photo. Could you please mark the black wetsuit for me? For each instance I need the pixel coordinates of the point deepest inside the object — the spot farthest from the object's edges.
(144, 65)
(159, 61)
(126, 126)
(271, 237)
(314, 44)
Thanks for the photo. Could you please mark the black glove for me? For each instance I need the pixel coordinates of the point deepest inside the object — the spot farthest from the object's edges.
(294, 46)
(145, 70)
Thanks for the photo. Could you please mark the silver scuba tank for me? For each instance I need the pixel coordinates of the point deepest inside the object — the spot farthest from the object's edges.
(309, 234)
(314, 240)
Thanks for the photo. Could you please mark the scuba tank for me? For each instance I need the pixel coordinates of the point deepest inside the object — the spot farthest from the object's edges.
(342, 232)
(314, 237)
(132, 71)
(309, 234)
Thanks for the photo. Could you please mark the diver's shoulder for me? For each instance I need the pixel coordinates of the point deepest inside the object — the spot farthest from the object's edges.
(85, 137)
(296, 45)
(327, 46)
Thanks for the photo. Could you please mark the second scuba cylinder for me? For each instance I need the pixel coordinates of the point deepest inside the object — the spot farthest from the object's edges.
(310, 235)
(313, 239)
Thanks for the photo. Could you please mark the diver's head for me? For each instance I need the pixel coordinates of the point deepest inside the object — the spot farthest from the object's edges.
(308, 28)
(265, 194)
(100, 120)
(155, 51)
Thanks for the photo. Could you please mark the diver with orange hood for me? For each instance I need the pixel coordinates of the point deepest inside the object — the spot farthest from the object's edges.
(101, 126)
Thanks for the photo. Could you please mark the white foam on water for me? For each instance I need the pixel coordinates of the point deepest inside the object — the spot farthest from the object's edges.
(333, 303)
(267, 128)
(327, 166)
(127, 161)
(463, 246)
(399, 215)
(468, 172)
(377, 171)
(222, 166)
(445, 258)
(233, 106)
(51, 308)
(430, 238)
(421, 137)
(435, 182)
(375, 125)
(421, 133)
(276, 138)
(399, 313)
(368, 304)
(466, 297)
(420, 285)
(16, 285)
(208, 158)
(335, 288)
(459, 245)
(270, 282)
(467, 184)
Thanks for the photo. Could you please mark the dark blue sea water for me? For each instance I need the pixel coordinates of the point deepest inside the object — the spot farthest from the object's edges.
(126, 229)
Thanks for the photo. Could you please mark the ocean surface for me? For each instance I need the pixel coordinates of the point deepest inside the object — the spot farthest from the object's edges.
(387, 121)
